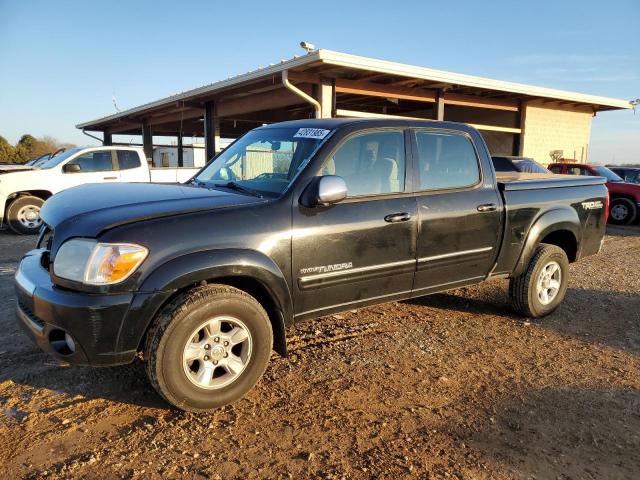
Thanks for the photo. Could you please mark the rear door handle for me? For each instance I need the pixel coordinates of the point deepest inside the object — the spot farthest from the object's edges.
(487, 207)
(110, 178)
(397, 217)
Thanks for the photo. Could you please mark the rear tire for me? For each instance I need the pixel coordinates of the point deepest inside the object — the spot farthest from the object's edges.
(23, 215)
(622, 211)
(208, 347)
(542, 286)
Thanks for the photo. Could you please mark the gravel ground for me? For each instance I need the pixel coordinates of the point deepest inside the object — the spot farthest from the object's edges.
(449, 386)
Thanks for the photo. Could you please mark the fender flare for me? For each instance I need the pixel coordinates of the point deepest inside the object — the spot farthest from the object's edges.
(192, 268)
(564, 218)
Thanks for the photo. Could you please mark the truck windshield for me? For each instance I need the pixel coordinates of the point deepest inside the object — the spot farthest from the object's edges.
(608, 174)
(53, 161)
(265, 160)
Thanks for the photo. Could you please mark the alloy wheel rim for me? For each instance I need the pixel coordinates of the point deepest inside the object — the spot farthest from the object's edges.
(217, 352)
(549, 282)
(29, 216)
(619, 212)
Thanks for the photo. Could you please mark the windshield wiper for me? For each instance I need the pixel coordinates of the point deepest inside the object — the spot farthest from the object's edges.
(239, 188)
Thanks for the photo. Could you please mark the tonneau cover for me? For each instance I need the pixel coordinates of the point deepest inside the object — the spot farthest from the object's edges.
(530, 181)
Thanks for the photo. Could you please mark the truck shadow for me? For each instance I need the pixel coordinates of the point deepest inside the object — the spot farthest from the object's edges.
(560, 433)
(606, 317)
(125, 384)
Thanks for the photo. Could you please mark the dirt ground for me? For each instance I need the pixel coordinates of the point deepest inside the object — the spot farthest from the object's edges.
(449, 386)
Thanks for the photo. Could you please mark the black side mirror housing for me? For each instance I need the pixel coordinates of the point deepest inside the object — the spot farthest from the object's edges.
(71, 168)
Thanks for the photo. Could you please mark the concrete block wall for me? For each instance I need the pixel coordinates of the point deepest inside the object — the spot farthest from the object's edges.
(551, 126)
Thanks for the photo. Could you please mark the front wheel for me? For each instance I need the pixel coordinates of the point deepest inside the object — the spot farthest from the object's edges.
(208, 347)
(23, 215)
(543, 285)
(622, 211)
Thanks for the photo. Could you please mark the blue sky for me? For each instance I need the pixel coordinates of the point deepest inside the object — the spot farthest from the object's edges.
(62, 62)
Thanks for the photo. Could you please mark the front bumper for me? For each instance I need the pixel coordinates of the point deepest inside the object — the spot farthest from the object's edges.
(92, 322)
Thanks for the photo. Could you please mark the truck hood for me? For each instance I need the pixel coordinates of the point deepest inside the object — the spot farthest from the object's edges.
(14, 168)
(90, 209)
(624, 188)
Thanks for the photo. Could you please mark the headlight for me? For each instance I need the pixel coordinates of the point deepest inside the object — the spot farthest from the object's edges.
(93, 263)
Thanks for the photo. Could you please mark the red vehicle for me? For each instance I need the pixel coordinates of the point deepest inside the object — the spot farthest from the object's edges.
(624, 198)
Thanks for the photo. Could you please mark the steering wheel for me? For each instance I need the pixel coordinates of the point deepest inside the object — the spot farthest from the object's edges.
(270, 175)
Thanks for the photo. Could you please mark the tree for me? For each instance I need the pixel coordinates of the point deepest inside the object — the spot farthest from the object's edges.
(28, 148)
(6, 151)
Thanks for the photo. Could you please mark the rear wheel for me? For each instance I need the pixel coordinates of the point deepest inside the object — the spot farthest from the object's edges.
(542, 287)
(208, 347)
(23, 215)
(622, 211)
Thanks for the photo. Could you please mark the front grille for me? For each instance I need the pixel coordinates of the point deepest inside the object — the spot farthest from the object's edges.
(27, 311)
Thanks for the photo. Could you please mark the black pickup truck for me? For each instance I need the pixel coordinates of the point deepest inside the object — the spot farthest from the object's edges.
(293, 221)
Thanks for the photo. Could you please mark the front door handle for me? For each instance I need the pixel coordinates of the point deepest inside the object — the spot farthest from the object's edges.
(487, 207)
(397, 217)
(110, 178)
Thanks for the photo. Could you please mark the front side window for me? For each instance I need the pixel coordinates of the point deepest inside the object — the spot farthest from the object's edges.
(98, 161)
(608, 174)
(265, 160)
(556, 168)
(370, 163)
(446, 160)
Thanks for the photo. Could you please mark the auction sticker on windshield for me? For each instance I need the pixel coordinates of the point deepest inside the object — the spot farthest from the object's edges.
(318, 133)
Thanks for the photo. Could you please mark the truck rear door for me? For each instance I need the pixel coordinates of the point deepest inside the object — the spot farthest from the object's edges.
(459, 209)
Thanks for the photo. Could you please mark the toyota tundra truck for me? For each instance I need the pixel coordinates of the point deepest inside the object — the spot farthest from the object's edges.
(293, 221)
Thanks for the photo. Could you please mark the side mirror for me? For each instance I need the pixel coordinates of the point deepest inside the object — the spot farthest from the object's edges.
(71, 168)
(324, 191)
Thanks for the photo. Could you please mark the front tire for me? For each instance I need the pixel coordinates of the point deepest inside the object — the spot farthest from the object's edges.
(622, 211)
(543, 285)
(23, 215)
(208, 347)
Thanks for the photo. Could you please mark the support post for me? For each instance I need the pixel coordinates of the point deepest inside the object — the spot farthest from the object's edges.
(518, 148)
(180, 153)
(327, 95)
(211, 130)
(106, 138)
(439, 106)
(147, 141)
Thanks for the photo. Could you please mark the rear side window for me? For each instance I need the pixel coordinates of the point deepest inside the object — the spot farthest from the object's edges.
(370, 163)
(446, 160)
(98, 161)
(128, 159)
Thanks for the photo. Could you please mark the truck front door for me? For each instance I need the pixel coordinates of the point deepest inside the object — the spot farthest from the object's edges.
(362, 249)
(96, 166)
(459, 211)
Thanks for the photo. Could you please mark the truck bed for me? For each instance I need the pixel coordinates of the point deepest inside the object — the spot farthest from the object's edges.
(509, 181)
(172, 175)
(526, 196)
